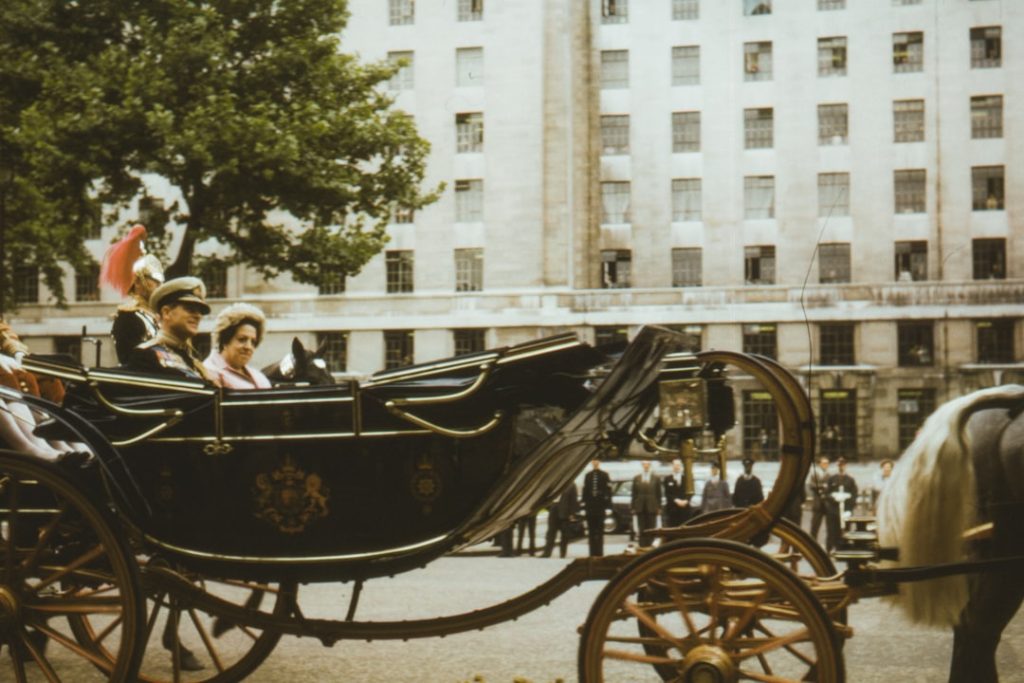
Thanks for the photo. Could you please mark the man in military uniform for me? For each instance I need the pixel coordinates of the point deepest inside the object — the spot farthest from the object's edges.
(181, 304)
(133, 273)
(597, 497)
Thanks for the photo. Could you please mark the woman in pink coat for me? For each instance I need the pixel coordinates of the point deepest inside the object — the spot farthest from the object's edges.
(238, 331)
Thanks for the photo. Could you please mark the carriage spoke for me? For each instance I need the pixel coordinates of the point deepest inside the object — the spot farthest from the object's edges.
(29, 563)
(789, 647)
(70, 567)
(205, 637)
(637, 658)
(680, 602)
(781, 641)
(652, 624)
(19, 665)
(64, 605)
(11, 485)
(71, 645)
(744, 619)
(111, 627)
(764, 678)
(40, 660)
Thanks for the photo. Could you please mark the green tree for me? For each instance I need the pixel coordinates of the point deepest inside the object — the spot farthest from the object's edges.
(247, 107)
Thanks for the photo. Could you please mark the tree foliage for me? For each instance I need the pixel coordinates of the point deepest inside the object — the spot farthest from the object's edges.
(247, 107)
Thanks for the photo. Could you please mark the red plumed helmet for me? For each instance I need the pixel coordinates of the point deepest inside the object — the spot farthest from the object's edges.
(117, 269)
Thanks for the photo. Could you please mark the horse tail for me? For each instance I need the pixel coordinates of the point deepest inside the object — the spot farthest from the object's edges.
(930, 501)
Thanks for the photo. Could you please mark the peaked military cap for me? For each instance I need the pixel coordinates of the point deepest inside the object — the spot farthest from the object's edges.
(180, 290)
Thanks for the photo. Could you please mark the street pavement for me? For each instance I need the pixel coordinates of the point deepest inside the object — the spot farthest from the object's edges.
(541, 646)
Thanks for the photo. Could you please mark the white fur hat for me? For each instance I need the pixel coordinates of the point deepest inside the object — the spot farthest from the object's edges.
(235, 314)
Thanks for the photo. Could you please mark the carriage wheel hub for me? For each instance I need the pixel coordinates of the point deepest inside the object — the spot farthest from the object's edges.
(708, 664)
(10, 610)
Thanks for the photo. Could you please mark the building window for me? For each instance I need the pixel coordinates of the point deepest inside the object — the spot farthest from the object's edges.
(760, 339)
(987, 116)
(403, 78)
(402, 215)
(469, 67)
(838, 423)
(908, 52)
(686, 65)
(399, 270)
(615, 134)
(910, 190)
(760, 426)
(995, 341)
(915, 344)
(69, 345)
(87, 279)
(989, 258)
(757, 61)
(685, 10)
(614, 69)
(471, 10)
(913, 406)
(469, 200)
(687, 268)
(332, 280)
(833, 194)
(686, 199)
(616, 267)
(831, 4)
(908, 120)
(836, 344)
(468, 341)
(469, 270)
(756, 7)
(759, 197)
(614, 11)
(335, 349)
(833, 124)
(401, 12)
(758, 128)
(214, 274)
(832, 56)
(986, 47)
(690, 337)
(834, 263)
(608, 335)
(685, 131)
(469, 132)
(615, 202)
(987, 188)
(912, 261)
(398, 348)
(26, 284)
(759, 265)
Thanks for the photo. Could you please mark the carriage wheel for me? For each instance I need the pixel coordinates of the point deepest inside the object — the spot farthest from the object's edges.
(720, 612)
(228, 652)
(60, 557)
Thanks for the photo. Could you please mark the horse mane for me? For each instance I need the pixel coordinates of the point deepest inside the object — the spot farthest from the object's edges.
(930, 501)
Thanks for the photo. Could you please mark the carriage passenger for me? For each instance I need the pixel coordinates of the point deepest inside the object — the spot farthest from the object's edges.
(181, 304)
(238, 331)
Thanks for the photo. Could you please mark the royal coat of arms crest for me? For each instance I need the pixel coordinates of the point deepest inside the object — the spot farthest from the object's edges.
(289, 498)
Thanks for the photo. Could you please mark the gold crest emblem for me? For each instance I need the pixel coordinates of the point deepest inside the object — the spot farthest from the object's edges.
(290, 499)
(425, 484)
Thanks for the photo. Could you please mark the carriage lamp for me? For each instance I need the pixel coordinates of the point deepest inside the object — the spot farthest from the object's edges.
(682, 403)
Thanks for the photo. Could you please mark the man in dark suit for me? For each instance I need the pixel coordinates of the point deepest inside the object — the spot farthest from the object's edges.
(842, 498)
(560, 516)
(677, 503)
(748, 490)
(597, 497)
(646, 501)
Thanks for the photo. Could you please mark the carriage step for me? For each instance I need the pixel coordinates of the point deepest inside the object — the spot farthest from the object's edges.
(854, 555)
(861, 522)
(860, 537)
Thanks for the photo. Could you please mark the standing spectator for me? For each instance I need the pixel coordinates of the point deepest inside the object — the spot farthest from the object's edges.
(716, 491)
(646, 501)
(880, 482)
(597, 497)
(677, 503)
(842, 497)
(817, 491)
(748, 489)
(560, 517)
(526, 526)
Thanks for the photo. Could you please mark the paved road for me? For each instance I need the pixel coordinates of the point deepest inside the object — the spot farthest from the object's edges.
(541, 647)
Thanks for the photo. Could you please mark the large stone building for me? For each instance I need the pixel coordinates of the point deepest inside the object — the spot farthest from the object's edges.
(834, 184)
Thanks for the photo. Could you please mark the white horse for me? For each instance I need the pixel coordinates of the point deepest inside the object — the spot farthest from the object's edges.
(966, 467)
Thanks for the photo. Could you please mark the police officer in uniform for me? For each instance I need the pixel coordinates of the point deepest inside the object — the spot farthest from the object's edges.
(597, 497)
(181, 304)
(134, 273)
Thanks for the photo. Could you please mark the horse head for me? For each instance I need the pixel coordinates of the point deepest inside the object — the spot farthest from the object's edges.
(301, 366)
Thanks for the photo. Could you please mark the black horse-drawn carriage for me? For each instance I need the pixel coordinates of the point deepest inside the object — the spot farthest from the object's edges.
(189, 515)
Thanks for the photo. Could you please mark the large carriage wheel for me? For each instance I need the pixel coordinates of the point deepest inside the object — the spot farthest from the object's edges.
(60, 558)
(722, 613)
(228, 652)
